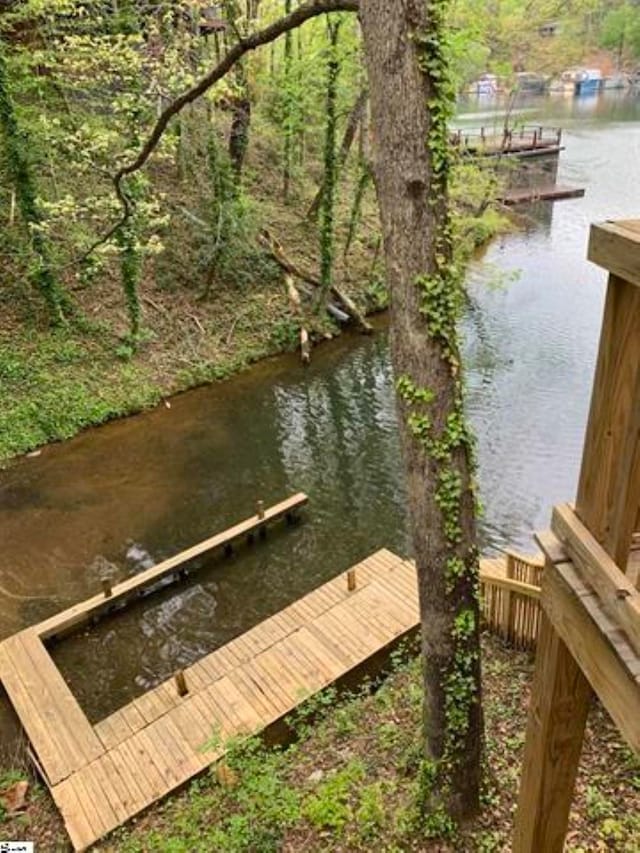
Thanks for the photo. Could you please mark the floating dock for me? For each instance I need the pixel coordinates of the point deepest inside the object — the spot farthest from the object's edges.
(101, 775)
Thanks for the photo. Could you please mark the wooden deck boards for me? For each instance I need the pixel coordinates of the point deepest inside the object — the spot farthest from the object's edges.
(102, 775)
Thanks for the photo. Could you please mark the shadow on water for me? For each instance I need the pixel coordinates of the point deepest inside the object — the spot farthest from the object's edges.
(136, 491)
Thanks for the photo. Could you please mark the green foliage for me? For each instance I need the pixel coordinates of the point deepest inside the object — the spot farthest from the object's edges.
(285, 335)
(364, 180)
(227, 248)
(370, 814)
(16, 144)
(377, 294)
(308, 712)
(330, 807)
(598, 805)
(51, 386)
(330, 162)
(621, 30)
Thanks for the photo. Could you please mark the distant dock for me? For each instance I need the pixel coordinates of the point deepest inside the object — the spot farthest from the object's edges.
(530, 195)
(526, 141)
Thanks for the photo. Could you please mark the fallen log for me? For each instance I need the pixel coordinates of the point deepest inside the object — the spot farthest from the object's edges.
(274, 247)
(296, 307)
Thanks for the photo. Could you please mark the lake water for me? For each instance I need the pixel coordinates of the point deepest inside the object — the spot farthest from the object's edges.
(141, 489)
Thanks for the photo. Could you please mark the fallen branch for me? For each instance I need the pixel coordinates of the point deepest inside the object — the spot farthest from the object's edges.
(296, 306)
(275, 250)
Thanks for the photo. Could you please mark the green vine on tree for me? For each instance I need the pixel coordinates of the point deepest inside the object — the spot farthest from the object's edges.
(289, 107)
(441, 299)
(15, 146)
(327, 242)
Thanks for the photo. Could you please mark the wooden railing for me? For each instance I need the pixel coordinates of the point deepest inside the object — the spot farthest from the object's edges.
(492, 139)
(510, 598)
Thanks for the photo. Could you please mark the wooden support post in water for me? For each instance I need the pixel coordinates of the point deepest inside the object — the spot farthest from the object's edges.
(351, 580)
(106, 587)
(181, 683)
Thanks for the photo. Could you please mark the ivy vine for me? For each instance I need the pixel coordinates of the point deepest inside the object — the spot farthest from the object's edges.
(440, 304)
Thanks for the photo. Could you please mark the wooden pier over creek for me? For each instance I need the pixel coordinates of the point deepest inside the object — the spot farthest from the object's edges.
(102, 775)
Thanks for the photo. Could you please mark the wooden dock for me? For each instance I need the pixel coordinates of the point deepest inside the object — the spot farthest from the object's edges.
(101, 775)
(169, 571)
(549, 192)
(525, 141)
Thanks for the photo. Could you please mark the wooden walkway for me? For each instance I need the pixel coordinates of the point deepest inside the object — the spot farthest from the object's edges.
(102, 775)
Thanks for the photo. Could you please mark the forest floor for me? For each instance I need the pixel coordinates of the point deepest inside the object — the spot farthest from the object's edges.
(350, 782)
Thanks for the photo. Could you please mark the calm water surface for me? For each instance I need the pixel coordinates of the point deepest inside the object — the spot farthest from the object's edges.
(139, 490)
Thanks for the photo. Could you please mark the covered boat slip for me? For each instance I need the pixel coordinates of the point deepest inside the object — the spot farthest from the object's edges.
(101, 775)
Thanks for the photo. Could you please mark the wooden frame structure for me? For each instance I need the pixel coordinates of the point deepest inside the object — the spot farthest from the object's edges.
(510, 597)
(589, 638)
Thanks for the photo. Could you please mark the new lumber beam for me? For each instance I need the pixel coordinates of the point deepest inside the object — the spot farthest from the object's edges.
(98, 605)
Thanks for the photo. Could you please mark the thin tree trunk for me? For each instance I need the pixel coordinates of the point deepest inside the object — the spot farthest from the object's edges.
(353, 122)
(239, 133)
(289, 107)
(327, 229)
(407, 76)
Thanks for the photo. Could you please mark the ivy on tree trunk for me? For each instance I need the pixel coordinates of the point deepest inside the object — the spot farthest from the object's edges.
(288, 106)
(411, 100)
(330, 164)
(15, 146)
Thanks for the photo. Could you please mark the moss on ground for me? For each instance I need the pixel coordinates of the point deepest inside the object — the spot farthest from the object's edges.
(351, 782)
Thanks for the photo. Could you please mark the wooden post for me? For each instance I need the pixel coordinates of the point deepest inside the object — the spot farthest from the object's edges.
(607, 502)
(260, 509)
(106, 587)
(181, 683)
(351, 580)
(507, 628)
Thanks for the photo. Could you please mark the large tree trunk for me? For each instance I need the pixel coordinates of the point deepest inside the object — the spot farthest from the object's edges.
(404, 60)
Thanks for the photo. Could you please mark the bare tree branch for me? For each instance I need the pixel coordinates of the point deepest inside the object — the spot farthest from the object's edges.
(304, 12)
